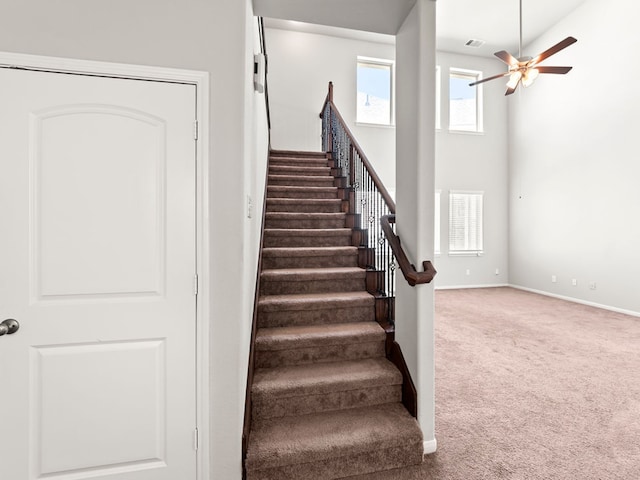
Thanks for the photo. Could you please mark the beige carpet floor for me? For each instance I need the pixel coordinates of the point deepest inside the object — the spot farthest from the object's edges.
(531, 387)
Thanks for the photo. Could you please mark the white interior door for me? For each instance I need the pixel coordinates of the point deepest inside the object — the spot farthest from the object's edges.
(97, 264)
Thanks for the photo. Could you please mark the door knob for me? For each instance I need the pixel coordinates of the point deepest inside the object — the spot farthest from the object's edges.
(9, 327)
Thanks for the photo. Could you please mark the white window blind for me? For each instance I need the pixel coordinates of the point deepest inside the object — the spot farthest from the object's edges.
(465, 223)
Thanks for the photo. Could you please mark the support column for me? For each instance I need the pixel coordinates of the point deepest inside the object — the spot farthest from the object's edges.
(415, 172)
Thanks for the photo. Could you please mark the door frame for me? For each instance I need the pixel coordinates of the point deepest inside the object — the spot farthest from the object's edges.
(200, 80)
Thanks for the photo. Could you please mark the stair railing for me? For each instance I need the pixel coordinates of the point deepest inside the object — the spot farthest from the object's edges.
(370, 202)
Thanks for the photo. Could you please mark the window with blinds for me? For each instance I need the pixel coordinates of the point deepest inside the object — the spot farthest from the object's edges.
(465, 223)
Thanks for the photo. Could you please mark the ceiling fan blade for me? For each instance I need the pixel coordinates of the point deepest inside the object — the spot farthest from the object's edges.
(553, 50)
(489, 78)
(559, 70)
(510, 90)
(506, 57)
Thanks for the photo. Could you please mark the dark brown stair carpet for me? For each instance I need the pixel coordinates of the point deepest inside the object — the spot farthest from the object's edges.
(310, 257)
(315, 309)
(326, 403)
(284, 281)
(299, 205)
(305, 220)
(331, 445)
(299, 170)
(318, 387)
(299, 345)
(307, 237)
(301, 180)
(291, 191)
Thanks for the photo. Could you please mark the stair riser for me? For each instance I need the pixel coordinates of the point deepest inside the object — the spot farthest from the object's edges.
(325, 316)
(319, 354)
(306, 404)
(295, 162)
(300, 170)
(305, 193)
(306, 207)
(307, 241)
(310, 262)
(345, 466)
(294, 181)
(338, 222)
(271, 287)
(296, 154)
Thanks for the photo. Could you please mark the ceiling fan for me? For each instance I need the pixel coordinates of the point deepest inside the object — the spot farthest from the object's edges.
(526, 69)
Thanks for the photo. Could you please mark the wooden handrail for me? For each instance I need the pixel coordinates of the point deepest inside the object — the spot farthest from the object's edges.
(411, 275)
(374, 176)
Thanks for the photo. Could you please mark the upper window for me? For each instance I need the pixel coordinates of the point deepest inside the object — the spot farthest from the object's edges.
(465, 223)
(375, 91)
(465, 102)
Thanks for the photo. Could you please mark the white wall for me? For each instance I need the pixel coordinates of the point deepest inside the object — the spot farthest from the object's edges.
(301, 65)
(574, 165)
(216, 37)
(475, 162)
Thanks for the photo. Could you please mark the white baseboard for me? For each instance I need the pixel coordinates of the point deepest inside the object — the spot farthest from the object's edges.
(429, 446)
(461, 287)
(577, 300)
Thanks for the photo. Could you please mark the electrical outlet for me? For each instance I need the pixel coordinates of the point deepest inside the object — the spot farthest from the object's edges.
(468, 272)
(554, 279)
(592, 285)
(497, 271)
(574, 282)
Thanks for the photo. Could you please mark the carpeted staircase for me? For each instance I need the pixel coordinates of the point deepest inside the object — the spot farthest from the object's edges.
(326, 403)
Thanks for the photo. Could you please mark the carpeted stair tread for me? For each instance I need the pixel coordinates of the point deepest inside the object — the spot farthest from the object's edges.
(304, 344)
(309, 257)
(328, 435)
(305, 220)
(312, 280)
(307, 237)
(315, 308)
(291, 191)
(308, 251)
(297, 170)
(297, 154)
(302, 161)
(319, 378)
(313, 274)
(312, 180)
(285, 338)
(315, 300)
(306, 205)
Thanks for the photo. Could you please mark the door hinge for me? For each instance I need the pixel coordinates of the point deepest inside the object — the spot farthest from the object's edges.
(196, 439)
(195, 284)
(195, 129)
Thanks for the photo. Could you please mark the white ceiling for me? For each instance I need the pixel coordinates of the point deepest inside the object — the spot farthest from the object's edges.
(494, 21)
(379, 16)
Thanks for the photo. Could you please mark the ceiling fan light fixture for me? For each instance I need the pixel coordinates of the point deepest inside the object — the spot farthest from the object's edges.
(530, 76)
(514, 78)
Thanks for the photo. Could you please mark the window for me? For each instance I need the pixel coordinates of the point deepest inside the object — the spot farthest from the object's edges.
(438, 88)
(465, 223)
(465, 102)
(436, 229)
(375, 87)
